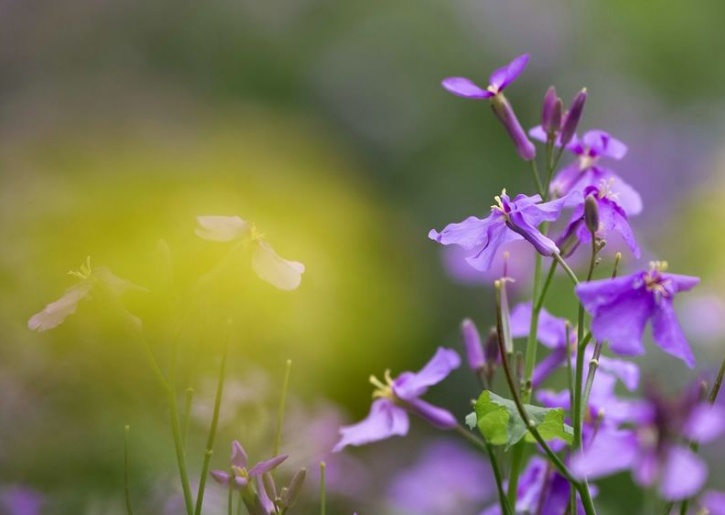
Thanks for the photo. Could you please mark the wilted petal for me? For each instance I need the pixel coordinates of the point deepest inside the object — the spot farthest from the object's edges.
(239, 455)
(410, 384)
(667, 333)
(465, 88)
(385, 420)
(56, 312)
(279, 272)
(609, 453)
(221, 228)
(705, 424)
(265, 466)
(683, 476)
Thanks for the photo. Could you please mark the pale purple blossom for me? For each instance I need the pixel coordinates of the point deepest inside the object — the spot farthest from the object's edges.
(622, 307)
(394, 398)
(238, 475)
(20, 500)
(269, 266)
(509, 220)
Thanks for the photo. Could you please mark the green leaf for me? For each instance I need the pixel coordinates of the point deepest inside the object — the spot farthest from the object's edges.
(500, 423)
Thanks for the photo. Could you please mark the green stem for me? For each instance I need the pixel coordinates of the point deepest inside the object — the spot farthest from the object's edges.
(127, 490)
(231, 494)
(280, 410)
(537, 179)
(517, 458)
(593, 366)
(176, 430)
(557, 257)
(483, 444)
(531, 342)
(547, 282)
(209, 451)
(189, 397)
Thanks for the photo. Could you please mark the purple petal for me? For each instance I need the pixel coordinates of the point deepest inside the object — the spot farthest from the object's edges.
(646, 468)
(220, 477)
(505, 75)
(550, 399)
(472, 344)
(714, 502)
(667, 333)
(239, 455)
(497, 236)
(679, 283)
(541, 243)
(550, 211)
(625, 371)
(566, 180)
(279, 272)
(627, 197)
(548, 366)
(705, 424)
(612, 218)
(683, 476)
(221, 228)
(410, 385)
(438, 417)
(264, 499)
(507, 116)
(538, 133)
(467, 234)
(465, 88)
(385, 420)
(609, 453)
(265, 466)
(603, 144)
(551, 330)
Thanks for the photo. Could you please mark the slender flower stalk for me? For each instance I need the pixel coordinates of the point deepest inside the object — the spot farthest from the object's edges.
(280, 409)
(209, 450)
(126, 488)
(176, 429)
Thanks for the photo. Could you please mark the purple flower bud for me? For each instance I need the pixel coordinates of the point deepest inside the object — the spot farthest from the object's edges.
(491, 351)
(551, 112)
(591, 213)
(269, 487)
(571, 120)
(505, 113)
(472, 342)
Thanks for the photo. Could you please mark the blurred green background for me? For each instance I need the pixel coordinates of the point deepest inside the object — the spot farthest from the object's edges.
(325, 123)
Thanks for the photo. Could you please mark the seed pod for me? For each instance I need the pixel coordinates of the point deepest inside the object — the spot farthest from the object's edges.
(591, 213)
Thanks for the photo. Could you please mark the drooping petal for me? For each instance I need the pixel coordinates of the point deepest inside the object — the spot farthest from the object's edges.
(467, 234)
(465, 88)
(610, 452)
(621, 323)
(56, 312)
(705, 424)
(220, 477)
(221, 228)
(279, 272)
(683, 476)
(505, 75)
(263, 497)
(384, 421)
(410, 385)
(438, 417)
(541, 243)
(551, 330)
(265, 466)
(239, 455)
(667, 333)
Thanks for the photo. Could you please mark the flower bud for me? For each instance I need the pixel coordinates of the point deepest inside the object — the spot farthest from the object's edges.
(505, 113)
(269, 487)
(472, 343)
(591, 213)
(551, 112)
(491, 351)
(571, 120)
(292, 492)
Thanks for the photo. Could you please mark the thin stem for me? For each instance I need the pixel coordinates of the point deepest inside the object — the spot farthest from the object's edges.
(556, 256)
(209, 451)
(481, 443)
(718, 383)
(569, 378)
(176, 430)
(280, 410)
(322, 489)
(593, 366)
(127, 490)
(547, 282)
(231, 494)
(517, 458)
(239, 504)
(537, 179)
(189, 397)
(531, 342)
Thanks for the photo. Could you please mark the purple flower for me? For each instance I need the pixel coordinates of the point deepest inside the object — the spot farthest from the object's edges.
(90, 278)
(394, 398)
(446, 479)
(20, 500)
(269, 266)
(621, 307)
(239, 474)
(654, 449)
(509, 220)
(612, 218)
(498, 82)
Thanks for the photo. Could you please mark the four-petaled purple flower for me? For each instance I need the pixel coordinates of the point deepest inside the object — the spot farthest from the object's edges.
(621, 307)
(509, 220)
(612, 218)
(587, 170)
(654, 449)
(238, 474)
(395, 397)
(499, 81)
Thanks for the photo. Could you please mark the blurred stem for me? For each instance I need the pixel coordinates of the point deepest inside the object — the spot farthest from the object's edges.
(239, 504)
(483, 444)
(549, 166)
(280, 410)
(230, 498)
(127, 490)
(214, 423)
(176, 429)
(537, 178)
(187, 412)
